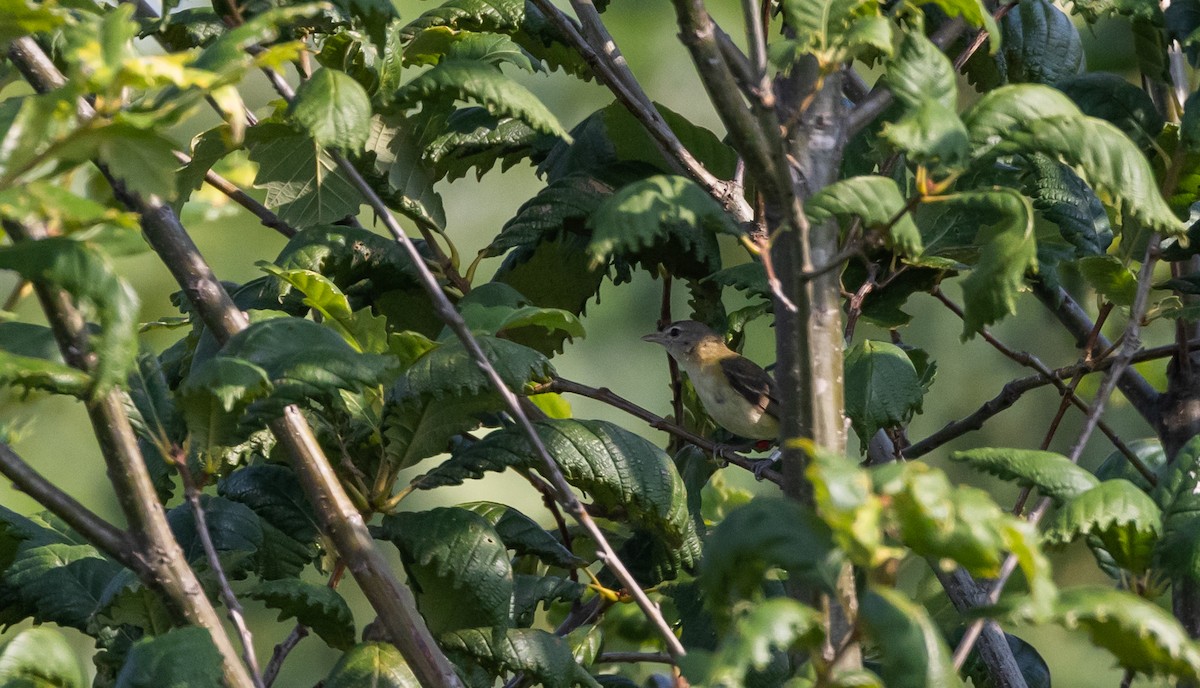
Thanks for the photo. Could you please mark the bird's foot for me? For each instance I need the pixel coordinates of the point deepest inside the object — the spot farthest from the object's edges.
(763, 465)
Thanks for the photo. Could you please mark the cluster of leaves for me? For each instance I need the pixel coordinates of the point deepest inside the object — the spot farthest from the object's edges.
(1050, 169)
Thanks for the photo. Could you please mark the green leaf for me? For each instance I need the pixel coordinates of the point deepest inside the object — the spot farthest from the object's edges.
(1176, 554)
(334, 108)
(1110, 279)
(304, 361)
(523, 535)
(620, 470)
(449, 370)
(39, 658)
(379, 665)
(143, 159)
(1142, 636)
(661, 219)
(86, 273)
(877, 201)
(485, 85)
(1040, 44)
(234, 529)
(181, 657)
(476, 138)
(883, 389)
(494, 308)
(1091, 10)
(418, 427)
(750, 278)
(1054, 475)
(836, 30)
(22, 18)
(1149, 451)
(319, 607)
(397, 143)
(843, 496)
(1063, 198)
(768, 532)
(931, 133)
(1009, 251)
(302, 181)
(496, 16)
(59, 582)
(1110, 97)
(555, 273)
(776, 625)
(1032, 118)
(1125, 519)
(962, 525)
(530, 591)
(911, 650)
(360, 262)
(458, 566)
(48, 376)
(921, 72)
(542, 656)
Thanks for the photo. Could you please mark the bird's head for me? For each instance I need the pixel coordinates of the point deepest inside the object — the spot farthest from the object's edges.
(685, 339)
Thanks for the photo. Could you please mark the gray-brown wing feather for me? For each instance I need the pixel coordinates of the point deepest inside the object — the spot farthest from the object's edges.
(753, 383)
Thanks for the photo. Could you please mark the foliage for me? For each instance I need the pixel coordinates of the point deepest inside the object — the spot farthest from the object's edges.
(381, 361)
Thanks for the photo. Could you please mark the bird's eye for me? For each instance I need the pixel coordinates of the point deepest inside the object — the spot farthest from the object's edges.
(673, 332)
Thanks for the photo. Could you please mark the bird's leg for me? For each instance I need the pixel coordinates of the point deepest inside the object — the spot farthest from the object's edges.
(762, 465)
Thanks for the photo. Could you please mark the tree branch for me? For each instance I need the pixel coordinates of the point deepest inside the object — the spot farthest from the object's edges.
(339, 519)
(106, 537)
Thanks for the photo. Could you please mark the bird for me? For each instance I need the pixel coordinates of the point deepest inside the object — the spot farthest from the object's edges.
(738, 394)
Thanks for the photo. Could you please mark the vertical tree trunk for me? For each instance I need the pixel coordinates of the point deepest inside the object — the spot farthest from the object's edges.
(810, 339)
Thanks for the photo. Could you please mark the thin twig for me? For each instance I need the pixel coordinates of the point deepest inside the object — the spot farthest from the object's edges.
(1124, 358)
(298, 633)
(1013, 390)
(629, 93)
(1068, 393)
(607, 396)
(236, 614)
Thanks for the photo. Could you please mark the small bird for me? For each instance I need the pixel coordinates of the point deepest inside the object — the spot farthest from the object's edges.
(739, 395)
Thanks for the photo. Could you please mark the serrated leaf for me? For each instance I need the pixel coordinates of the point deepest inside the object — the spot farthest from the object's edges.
(661, 219)
(1032, 118)
(542, 656)
(768, 532)
(418, 427)
(882, 388)
(835, 30)
(523, 535)
(912, 653)
(931, 133)
(1110, 279)
(1040, 44)
(379, 665)
(39, 658)
(530, 592)
(181, 657)
(458, 566)
(877, 201)
(844, 500)
(59, 582)
(1142, 636)
(1149, 451)
(621, 471)
(776, 625)
(1063, 198)
(1009, 251)
(499, 16)
(87, 274)
(319, 607)
(555, 273)
(233, 528)
(302, 181)
(476, 138)
(1054, 475)
(397, 144)
(334, 108)
(485, 85)
(1125, 519)
(920, 72)
(448, 369)
(563, 205)
(358, 261)
(748, 277)
(1176, 554)
(1092, 10)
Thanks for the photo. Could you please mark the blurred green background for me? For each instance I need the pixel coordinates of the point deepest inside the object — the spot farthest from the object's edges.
(55, 436)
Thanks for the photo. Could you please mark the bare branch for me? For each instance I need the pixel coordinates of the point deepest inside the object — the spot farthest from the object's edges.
(106, 537)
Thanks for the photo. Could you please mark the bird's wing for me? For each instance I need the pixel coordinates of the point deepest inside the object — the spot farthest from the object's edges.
(753, 383)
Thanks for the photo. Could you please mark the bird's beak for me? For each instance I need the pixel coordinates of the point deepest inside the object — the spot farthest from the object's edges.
(654, 337)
